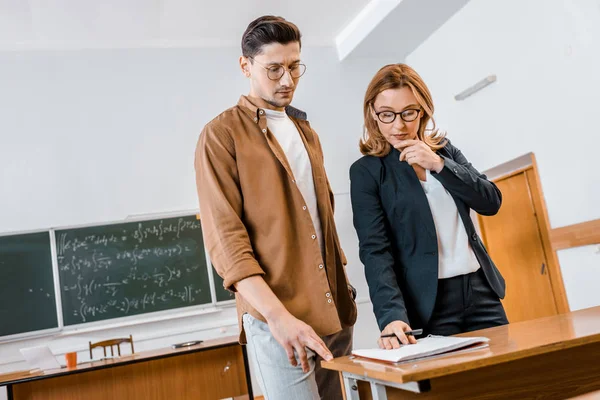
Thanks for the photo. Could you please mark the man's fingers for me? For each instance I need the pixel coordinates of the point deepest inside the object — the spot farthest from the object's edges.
(289, 350)
(412, 339)
(319, 340)
(314, 342)
(395, 343)
(380, 343)
(302, 356)
(291, 356)
(319, 347)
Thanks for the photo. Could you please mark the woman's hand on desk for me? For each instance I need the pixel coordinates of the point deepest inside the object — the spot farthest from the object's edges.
(417, 152)
(294, 334)
(398, 328)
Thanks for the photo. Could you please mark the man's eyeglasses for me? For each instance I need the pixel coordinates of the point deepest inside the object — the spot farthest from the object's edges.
(409, 115)
(275, 72)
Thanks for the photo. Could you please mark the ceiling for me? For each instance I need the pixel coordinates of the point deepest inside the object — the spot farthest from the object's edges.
(80, 24)
(358, 28)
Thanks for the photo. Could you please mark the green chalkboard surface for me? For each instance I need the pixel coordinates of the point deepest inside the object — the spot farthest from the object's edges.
(27, 296)
(222, 293)
(131, 268)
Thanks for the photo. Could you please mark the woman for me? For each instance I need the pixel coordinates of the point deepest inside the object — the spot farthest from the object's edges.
(411, 195)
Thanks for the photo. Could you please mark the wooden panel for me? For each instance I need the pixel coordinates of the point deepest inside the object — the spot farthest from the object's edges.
(507, 343)
(556, 375)
(527, 162)
(583, 234)
(555, 273)
(211, 374)
(513, 239)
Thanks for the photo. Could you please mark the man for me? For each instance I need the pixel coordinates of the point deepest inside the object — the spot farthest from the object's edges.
(267, 217)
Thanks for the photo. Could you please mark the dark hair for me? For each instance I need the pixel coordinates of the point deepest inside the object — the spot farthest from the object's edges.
(266, 30)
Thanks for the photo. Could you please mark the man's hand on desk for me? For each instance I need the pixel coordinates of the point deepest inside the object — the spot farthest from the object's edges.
(290, 332)
(294, 334)
(398, 328)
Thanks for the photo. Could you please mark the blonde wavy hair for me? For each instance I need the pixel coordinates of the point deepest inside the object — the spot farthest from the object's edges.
(396, 76)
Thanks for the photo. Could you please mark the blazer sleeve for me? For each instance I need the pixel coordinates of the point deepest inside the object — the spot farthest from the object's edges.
(375, 248)
(461, 179)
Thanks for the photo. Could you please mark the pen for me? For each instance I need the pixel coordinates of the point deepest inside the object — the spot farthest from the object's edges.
(414, 332)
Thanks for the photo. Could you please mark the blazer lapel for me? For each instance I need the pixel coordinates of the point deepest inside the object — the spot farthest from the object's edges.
(405, 171)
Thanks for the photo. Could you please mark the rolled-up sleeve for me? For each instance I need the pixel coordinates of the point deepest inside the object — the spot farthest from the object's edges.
(217, 181)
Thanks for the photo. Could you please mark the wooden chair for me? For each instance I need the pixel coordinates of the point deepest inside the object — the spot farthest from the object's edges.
(111, 343)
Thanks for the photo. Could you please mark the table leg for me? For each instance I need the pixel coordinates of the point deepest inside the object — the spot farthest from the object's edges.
(378, 388)
(350, 387)
(247, 371)
(378, 391)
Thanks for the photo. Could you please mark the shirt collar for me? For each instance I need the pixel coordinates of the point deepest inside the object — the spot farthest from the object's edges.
(258, 113)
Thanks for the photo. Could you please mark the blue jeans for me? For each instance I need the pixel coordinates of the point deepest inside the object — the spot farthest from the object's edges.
(279, 380)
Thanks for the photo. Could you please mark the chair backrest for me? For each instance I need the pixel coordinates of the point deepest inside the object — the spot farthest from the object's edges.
(111, 343)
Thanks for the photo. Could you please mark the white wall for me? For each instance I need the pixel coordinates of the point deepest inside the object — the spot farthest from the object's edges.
(93, 136)
(545, 54)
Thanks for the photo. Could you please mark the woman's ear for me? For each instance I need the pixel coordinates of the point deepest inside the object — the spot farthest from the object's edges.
(373, 115)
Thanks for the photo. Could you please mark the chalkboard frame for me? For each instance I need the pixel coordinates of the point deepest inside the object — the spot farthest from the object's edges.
(42, 332)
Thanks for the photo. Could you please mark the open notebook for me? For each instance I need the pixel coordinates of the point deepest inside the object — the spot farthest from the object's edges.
(424, 348)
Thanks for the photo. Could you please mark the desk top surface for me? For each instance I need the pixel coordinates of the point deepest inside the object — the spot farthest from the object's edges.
(507, 343)
(22, 376)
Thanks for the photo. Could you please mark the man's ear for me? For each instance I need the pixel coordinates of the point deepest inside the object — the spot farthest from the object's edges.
(245, 66)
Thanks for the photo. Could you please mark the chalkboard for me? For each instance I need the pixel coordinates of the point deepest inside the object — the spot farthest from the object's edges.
(125, 269)
(27, 296)
(222, 293)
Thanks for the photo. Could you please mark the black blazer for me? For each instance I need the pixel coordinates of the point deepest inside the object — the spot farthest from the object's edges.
(397, 236)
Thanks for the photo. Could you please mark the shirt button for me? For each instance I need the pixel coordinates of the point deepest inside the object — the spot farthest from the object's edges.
(293, 181)
(474, 236)
(320, 266)
(329, 301)
(261, 112)
(264, 131)
(328, 294)
(455, 171)
(313, 236)
(304, 208)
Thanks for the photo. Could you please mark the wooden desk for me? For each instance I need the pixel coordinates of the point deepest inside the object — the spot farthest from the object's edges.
(214, 369)
(556, 357)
